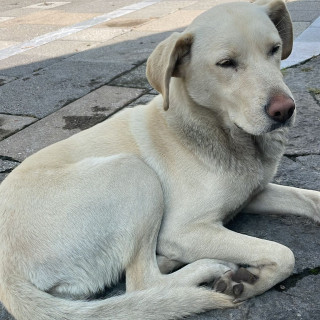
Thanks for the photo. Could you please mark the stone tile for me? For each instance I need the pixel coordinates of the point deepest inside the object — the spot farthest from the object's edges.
(24, 32)
(300, 172)
(98, 6)
(178, 19)
(134, 47)
(206, 5)
(304, 15)
(312, 161)
(96, 34)
(46, 5)
(49, 17)
(304, 136)
(312, 34)
(10, 124)
(27, 18)
(17, 12)
(297, 79)
(134, 79)
(7, 166)
(6, 44)
(2, 19)
(63, 18)
(3, 314)
(79, 115)
(49, 89)
(316, 23)
(299, 27)
(302, 6)
(5, 79)
(23, 65)
(155, 11)
(146, 98)
(302, 51)
(58, 48)
(154, 92)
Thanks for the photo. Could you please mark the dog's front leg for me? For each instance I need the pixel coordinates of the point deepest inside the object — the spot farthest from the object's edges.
(268, 263)
(277, 199)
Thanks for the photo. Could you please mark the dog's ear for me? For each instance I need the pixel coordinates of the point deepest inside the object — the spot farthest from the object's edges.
(165, 62)
(279, 15)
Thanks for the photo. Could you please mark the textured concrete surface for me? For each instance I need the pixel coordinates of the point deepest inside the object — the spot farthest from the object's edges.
(52, 91)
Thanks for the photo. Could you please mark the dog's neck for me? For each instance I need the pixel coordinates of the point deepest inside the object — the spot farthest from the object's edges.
(213, 137)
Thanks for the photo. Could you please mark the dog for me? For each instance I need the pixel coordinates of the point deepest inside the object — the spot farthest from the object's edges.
(148, 191)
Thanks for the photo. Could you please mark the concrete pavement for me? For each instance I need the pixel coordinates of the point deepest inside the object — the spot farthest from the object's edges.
(56, 80)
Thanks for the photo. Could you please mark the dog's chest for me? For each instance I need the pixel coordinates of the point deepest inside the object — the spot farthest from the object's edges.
(215, 192)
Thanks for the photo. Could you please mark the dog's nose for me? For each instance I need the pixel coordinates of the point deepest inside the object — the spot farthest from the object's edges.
(280, 108)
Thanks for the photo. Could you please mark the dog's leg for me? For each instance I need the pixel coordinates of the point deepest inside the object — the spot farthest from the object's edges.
(269, 262)
(277, 199)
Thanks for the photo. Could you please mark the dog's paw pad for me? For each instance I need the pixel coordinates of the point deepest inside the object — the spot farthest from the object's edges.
(220, 285)
(238, 289)
(243, 275)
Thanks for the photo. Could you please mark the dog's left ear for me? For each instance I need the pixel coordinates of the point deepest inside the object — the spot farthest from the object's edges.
(165, 62)
(279, 15)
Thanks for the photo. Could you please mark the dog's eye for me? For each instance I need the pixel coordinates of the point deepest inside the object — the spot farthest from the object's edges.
(227, 63)
(274, 49)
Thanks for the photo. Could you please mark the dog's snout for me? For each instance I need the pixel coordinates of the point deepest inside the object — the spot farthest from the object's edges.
(280, 108)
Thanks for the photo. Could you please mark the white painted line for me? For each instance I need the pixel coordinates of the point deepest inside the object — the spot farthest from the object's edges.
(306, 45)
(49, 37)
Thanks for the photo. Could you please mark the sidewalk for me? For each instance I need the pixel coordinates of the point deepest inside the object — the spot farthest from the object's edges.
(74, 80)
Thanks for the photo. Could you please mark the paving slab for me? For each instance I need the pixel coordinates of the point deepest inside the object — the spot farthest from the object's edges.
(6, 44)
(100, 6)
(10, 124)
(7, 165)
(178, 19)
(16, 12)
(49, 89)
(23, 32)
(133, 79)
(51, 17)
(157, 10)
(59, 49)
(299, 27)
(23, 65)
(146, 98)
(134, 47)
(298, 172)
(303, 80)
(6, 79)
(304, 136)
(97, 34)
(79, 115)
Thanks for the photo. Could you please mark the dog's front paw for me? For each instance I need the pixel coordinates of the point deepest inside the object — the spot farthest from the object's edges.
(233, 283)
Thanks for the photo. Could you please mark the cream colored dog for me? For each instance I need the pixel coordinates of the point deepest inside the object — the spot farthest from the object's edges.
(162, 179)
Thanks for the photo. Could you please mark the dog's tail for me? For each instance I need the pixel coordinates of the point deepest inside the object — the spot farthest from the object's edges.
(26, 302)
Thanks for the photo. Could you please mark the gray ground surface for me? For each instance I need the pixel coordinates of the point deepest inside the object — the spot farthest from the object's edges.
(45, 100)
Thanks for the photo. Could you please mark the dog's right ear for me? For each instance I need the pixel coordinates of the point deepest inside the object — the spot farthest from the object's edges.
(164, 63)
(279, 15)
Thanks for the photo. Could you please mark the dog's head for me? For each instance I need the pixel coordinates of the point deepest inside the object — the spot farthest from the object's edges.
(229, 61)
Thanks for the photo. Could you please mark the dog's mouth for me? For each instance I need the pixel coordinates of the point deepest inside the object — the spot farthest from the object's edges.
(279, 125)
